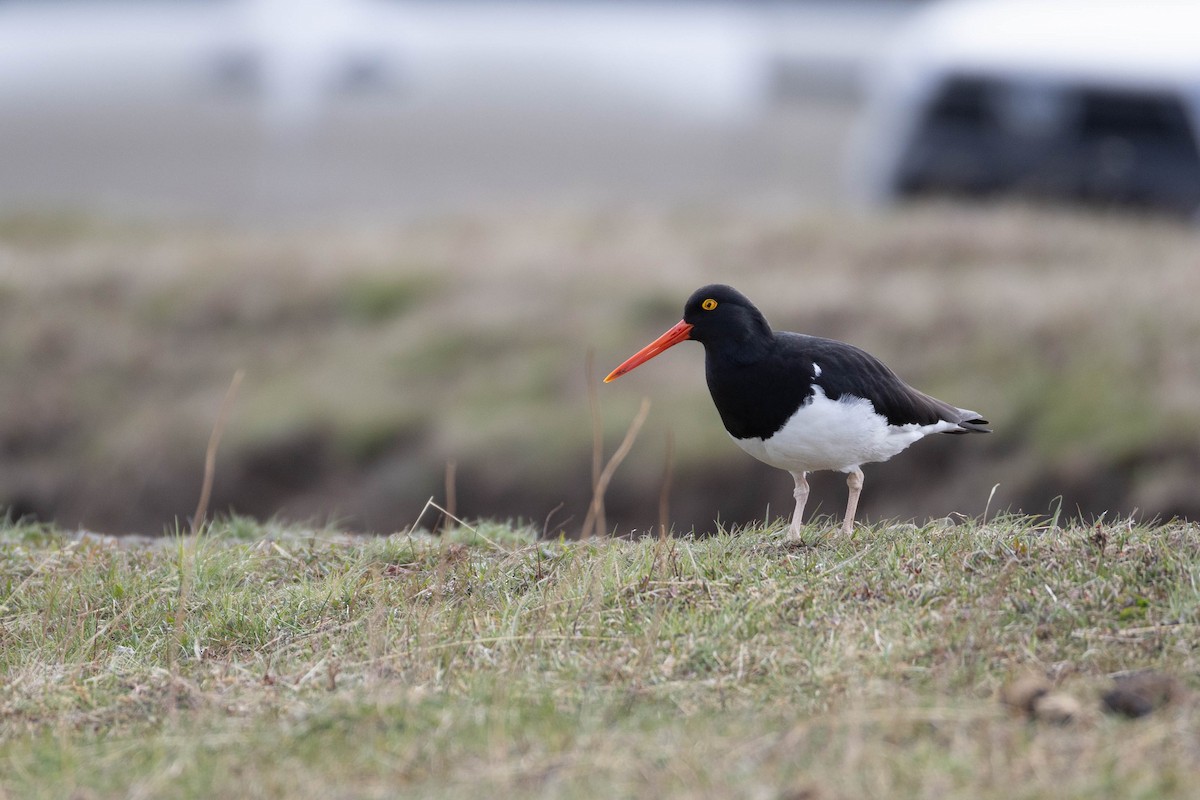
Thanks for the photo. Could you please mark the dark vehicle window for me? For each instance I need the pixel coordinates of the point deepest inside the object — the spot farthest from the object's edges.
(1134, 115)
(963, 100)
(984, 135)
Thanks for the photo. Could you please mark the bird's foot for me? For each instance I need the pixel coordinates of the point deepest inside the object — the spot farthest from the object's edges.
(794, 537)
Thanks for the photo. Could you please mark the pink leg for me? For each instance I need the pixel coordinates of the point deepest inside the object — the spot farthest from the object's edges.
(855, 481)
(801, 495)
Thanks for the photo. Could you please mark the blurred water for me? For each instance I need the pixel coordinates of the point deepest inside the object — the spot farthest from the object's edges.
(294, 109)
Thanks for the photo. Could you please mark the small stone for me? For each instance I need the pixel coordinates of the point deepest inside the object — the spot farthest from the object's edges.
(800, 793)
(1022, 693)
(1141, 693)
(1058, 708)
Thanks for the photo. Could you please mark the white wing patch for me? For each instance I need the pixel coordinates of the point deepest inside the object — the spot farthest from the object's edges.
(836, 435)
(816, 370)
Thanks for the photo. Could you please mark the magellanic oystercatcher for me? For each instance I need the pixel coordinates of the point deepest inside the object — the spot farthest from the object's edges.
(802, 403)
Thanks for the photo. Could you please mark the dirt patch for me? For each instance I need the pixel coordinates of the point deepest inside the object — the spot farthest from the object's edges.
(306, 478)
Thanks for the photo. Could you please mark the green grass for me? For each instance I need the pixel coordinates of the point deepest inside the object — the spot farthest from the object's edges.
(310, 663)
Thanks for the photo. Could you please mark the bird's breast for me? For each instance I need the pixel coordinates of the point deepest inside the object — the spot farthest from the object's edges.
(756, 400)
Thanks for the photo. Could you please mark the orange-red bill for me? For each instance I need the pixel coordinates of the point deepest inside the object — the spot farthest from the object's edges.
(678, 333)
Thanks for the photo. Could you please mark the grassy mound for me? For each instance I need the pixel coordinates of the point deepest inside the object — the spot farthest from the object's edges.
(266, 661)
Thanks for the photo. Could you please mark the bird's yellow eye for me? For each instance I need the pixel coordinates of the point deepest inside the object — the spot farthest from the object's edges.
(709, 304)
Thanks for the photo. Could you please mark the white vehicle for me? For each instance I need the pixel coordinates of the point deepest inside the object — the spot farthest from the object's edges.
(295, 54)
(1095, 101)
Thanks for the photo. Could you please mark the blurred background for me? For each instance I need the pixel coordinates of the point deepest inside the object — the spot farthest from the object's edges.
(410, 223)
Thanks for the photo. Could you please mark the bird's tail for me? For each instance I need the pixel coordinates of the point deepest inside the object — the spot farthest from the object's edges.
(970, 422)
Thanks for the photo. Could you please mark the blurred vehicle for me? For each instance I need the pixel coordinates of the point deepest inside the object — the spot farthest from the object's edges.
(1096, 101)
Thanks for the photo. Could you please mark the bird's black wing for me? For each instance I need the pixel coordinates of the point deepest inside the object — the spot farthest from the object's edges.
(847, 370)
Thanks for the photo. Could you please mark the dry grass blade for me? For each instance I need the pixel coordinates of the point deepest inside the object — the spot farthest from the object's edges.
(210, 455)
(187, 555)
(451, 488)
(600, 523)
(590, 525)
(473, 529)
(664, 497)
(988, 505)
(413, 527)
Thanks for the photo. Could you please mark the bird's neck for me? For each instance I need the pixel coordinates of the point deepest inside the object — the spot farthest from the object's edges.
(751, 348)
(752, 395)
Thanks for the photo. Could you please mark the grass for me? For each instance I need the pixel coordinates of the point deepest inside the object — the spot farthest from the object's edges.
(312, 663)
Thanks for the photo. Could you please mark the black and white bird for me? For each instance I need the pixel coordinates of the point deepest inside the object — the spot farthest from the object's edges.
(802, 403)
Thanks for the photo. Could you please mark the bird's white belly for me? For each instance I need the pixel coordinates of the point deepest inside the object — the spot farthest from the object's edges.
(839, 434)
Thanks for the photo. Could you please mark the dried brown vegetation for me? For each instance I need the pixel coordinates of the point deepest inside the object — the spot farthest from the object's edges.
(373, 357)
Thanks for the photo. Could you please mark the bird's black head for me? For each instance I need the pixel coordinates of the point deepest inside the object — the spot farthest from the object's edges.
(722, 317)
